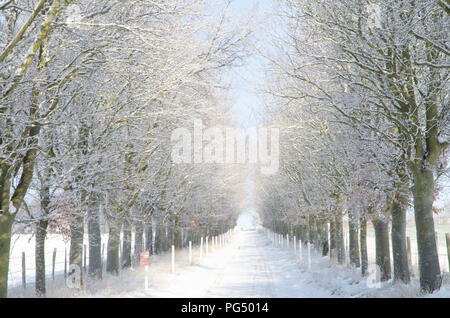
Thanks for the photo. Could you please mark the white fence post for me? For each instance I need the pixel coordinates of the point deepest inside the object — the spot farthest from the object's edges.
(146, 277)
(300, 251)
(207, 251)
(295, 244)
(287, 241)
(201, 247)
(190, 253)
(173, 259)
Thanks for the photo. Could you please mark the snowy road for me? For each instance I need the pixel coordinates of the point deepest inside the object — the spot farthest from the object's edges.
(247, 271)
(249, 266)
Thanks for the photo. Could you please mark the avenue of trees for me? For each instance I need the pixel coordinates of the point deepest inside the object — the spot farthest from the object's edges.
(90, 93)
(92, 90)
(359, 90)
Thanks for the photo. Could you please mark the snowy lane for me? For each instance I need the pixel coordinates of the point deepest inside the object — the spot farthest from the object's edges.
(248, 267)
(247, 272)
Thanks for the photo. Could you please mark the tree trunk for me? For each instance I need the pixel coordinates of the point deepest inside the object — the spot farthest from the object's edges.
(323, 236)
(95, 241)
(172, 236)
(126, 245)
(430, 273)
(398, 236)
(138, 241)
(153, 229)
(76, 245)
(166, 238)
(112, 254)
(383, 259)
(340, 249)
(41, 233)
(312, 230)
(158, 239)
(6, 222)
(332, 236)
(149, 238)
(363, 241)
(304, 232)
(353, 241)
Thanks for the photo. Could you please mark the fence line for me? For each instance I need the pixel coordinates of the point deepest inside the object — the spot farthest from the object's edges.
(22, 268)
(444, 257)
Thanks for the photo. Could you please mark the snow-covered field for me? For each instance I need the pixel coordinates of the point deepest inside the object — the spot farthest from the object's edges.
(441, 230)
(26, 243)
(249, 266)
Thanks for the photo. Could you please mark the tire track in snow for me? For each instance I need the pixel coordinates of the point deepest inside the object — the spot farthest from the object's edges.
(268, 275)
(218, 281)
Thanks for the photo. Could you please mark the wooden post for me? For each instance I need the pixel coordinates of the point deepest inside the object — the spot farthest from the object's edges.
(447, 238)
(53, 263)
(24, 272)
(190, 253)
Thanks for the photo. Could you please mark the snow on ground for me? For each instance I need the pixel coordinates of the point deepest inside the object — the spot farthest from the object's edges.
(249, 266)
(26, 243)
